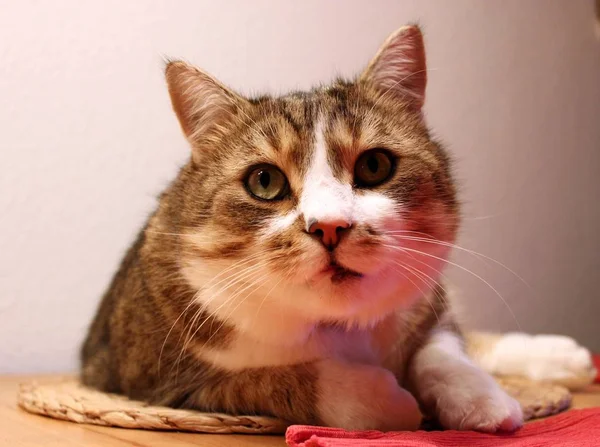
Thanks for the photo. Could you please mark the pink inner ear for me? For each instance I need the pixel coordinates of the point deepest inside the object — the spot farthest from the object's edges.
(400, 65)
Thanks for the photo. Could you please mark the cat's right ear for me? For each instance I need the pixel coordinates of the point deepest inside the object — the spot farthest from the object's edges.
(202, 104)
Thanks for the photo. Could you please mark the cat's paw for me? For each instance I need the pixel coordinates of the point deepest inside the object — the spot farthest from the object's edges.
(360, 397)
(476, 402)
(552, 358)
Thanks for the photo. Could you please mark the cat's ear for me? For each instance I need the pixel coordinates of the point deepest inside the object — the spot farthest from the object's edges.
(399, 66)
(202, 104)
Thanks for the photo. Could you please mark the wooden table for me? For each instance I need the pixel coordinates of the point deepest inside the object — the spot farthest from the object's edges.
(18, 428)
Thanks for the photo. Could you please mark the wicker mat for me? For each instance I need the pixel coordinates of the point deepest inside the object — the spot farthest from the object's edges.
(70, 401)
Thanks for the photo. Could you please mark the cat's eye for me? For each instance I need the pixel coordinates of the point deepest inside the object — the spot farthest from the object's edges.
(267, 182)
(373, 168)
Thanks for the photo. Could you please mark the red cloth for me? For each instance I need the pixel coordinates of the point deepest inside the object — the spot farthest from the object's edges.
(596, 358)
(574, 428)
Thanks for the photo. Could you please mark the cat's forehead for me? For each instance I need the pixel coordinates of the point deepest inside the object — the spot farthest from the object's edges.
(338, 101)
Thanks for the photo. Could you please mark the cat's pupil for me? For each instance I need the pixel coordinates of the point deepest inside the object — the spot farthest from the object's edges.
(373, 164)
(264, 178)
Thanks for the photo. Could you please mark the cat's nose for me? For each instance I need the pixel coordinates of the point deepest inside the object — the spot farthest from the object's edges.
(329, 231)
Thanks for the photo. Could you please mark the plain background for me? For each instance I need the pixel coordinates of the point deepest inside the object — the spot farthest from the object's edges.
(87, 140)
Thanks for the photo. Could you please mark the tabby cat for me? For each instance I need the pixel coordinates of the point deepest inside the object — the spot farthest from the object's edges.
(292, 268)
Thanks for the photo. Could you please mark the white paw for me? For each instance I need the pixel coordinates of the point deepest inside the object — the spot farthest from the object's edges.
(359, 397)
(475, 402)
(545, 357)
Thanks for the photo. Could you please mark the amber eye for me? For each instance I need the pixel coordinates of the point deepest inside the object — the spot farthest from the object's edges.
(373, 168)
(267, 182)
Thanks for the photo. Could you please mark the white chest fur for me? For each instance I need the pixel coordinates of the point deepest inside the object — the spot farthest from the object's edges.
(248, 351)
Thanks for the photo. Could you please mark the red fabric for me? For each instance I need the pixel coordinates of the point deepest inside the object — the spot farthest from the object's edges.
(596, 358)
(574, 428)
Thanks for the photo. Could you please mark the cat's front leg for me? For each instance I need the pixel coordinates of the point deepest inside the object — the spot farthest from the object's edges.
(324, 392)
(458, 392)
(362, 397)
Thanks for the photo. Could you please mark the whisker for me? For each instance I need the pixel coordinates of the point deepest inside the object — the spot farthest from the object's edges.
(433, 283)
(423, 294)
(229, 300)
(432, 240)
(173, 326)
(234, 278)
(247, 271)
(465, 270)
(258, 283)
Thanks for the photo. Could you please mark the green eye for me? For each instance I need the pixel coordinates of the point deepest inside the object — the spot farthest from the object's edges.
(373, 168)
(267, 182)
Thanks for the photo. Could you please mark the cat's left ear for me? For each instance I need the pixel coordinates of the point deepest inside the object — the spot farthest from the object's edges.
(205, 107)
(399, 67)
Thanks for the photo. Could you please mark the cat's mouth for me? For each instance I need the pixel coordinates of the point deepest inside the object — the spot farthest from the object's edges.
(339, 273)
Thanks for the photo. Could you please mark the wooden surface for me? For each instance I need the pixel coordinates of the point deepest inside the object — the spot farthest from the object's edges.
(18, 428)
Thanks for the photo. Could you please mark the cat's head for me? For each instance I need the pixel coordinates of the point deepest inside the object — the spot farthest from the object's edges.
(335, 203)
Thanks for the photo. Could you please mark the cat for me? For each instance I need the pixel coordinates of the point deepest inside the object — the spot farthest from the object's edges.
(292, 268)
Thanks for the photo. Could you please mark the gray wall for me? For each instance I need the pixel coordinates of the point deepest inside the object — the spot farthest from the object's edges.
(88, 138)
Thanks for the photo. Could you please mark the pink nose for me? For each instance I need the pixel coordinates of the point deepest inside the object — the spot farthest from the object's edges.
(328, 231)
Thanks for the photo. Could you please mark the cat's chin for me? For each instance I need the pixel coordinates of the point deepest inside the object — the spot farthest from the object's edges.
(338, 274)
(340, 285)
(358, 300)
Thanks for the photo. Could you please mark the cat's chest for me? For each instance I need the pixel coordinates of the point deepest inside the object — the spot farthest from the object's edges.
(367, 346)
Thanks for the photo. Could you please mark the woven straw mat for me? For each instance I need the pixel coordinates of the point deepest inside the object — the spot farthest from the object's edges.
(69, 400)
